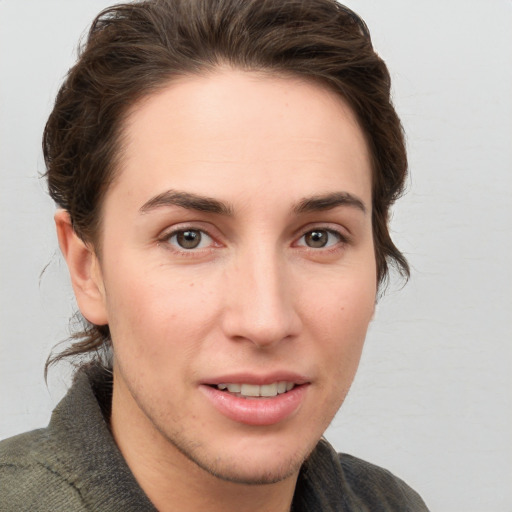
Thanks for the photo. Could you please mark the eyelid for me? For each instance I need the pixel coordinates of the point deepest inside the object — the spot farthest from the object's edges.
(330, 245)
(343, 233)
(204, 239)
(167, 234)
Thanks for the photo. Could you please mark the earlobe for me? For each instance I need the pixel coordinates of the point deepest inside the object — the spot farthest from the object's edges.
(84, 270)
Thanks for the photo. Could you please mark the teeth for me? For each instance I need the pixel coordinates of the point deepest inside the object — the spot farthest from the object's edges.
(253, 390)
(269, 390)
(250, 390)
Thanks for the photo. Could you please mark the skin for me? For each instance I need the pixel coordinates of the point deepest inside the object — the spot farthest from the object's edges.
(253, 297)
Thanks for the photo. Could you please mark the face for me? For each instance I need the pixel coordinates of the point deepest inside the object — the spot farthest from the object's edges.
(237, 270)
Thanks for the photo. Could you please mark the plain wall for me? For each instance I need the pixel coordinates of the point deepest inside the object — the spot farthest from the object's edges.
(433, 398)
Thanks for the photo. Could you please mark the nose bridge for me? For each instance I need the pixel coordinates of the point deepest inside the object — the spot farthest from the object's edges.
(261, 308)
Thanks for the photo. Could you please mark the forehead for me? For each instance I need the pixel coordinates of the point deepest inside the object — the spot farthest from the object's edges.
(230, 128)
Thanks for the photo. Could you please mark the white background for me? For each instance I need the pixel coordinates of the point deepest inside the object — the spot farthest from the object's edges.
(433, 398)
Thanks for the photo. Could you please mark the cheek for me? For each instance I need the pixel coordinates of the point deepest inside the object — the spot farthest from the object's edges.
(152, 312)
(339, 321)
(344, 304)
(340, 317)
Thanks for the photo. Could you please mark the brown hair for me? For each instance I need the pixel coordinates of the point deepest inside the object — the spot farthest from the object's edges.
(133, 50)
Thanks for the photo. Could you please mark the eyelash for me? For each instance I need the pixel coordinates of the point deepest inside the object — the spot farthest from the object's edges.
(341, 239)
(165, 239)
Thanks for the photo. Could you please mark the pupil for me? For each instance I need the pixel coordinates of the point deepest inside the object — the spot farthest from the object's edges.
(189, 239)
(316, 239)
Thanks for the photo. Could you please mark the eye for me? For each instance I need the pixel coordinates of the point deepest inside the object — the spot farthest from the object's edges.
(320, 238)
(189, 239)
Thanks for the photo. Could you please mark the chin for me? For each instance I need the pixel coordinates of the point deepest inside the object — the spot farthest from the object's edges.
(247, 472)
(251, 465)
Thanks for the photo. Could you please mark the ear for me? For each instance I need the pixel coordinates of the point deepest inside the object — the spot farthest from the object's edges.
(84, 270)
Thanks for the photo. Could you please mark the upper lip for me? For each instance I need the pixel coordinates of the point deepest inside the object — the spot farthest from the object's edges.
(257, 379)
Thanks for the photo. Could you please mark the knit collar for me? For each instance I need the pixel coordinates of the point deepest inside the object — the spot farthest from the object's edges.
(86, 455)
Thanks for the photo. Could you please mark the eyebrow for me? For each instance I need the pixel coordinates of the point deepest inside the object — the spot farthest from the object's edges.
(186, 200)
(205, 204)
(328, 202)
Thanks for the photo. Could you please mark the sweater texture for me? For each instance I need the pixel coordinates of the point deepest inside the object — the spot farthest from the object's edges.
(74, 465)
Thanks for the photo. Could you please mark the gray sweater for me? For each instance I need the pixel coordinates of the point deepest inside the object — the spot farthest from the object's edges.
(74, 465)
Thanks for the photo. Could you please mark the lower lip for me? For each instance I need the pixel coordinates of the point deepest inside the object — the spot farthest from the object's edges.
(256, 411)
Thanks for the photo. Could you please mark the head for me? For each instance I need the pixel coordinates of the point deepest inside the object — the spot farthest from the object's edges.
(134, 50)
(159, 87)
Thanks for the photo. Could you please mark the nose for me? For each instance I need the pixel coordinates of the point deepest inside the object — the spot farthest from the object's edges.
(260, 300)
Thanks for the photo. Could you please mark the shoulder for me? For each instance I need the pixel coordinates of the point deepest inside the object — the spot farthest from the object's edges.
(378, 485)
(28, 480)
(348, 483)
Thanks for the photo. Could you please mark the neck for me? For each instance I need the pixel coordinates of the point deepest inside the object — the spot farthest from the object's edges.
(172, 481)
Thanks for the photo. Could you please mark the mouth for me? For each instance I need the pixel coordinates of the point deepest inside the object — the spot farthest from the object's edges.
(245, 390)
(257, 404)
